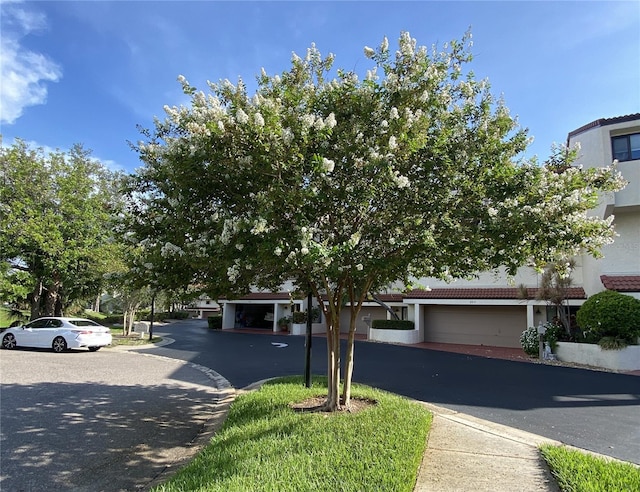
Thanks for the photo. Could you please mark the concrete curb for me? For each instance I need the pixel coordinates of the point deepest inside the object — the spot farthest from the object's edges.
(225, 395)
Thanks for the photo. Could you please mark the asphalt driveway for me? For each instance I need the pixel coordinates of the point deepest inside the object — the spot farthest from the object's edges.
(106, 421)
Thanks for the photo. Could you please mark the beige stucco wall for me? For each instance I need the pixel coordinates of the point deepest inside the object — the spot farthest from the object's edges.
(595, 151)
(499, 279)
(620, 258)
(623, 256)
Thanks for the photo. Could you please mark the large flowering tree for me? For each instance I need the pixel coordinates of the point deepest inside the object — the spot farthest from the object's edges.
(345, 185)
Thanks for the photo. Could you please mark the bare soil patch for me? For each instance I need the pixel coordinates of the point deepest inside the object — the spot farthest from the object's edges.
(316, 403)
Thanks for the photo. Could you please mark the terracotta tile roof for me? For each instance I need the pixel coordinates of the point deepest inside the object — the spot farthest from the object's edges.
(485, 293)
(441, 293)
(390, 297)
(621, 283)
(604, 122)
(262, 296)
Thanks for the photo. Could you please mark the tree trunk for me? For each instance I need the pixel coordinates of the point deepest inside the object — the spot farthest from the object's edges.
(96, 306)
(35, 299)
(332, 317)
(132, 318)
(51, 298)
(348, 364)
(356, 306)
(333, 364)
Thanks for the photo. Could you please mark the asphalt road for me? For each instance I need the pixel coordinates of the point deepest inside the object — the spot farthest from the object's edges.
(102, 421)
(113, 420)
(594, 410)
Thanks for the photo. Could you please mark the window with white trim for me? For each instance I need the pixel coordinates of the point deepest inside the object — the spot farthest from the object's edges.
(626, 147)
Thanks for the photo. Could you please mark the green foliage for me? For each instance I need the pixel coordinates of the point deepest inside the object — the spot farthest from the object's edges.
(10, 316)
(529, 340)
(393, 324)
(162, 315)
(56, 223)
(300, 317)
(576, 471)
(266, 446)
(554, 333)
(612, 343)
(215, 322)
(107, 320)
(610, 314)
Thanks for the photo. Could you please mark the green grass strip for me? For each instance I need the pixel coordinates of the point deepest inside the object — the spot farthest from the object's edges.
(580, 472)
(265, 446)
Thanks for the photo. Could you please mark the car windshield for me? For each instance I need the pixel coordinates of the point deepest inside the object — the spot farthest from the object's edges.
(83, 322)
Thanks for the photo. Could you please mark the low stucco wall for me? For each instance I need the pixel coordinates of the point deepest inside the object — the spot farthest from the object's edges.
(626, 359)
(395, 336)
(301, 328)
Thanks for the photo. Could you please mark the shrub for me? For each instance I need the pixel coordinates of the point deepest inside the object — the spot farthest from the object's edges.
(111, 319)
(301, 316)
(215, 322)
(611, 343)
(393, 324)
(554, 333)
(609, 314)
(178, 315)
(529, 341)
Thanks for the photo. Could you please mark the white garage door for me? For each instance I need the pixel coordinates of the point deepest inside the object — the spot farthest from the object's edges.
(496, 326)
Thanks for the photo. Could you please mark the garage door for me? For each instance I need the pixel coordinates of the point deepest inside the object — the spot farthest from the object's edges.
(496, 326)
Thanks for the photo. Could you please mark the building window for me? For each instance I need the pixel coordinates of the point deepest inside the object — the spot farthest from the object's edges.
(626, 147)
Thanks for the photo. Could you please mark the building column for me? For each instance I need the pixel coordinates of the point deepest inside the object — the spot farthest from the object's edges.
(228, 316)
(418, 320)
(530, 316)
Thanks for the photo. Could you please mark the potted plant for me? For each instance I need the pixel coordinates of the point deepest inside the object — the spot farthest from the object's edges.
(283, 323)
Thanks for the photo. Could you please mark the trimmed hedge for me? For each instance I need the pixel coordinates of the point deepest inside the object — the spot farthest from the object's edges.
(393, 324)
(215, 322)
(609, 314)
(163, 315)
(111, 319)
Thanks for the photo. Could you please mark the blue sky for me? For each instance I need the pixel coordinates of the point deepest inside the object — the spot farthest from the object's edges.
(88, 72)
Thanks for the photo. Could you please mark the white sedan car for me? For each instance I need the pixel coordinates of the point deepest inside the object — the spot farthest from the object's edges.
(58, 334)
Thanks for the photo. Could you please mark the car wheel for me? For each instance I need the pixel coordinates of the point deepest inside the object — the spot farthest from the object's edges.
(59, 344)
(94, 349)
(9, 341)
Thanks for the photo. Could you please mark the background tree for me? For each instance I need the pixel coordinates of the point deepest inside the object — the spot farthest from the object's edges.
(56, 218)
(345, 185)
(555, 283)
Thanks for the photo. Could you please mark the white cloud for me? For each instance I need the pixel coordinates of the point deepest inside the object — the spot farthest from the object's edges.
(23, 73)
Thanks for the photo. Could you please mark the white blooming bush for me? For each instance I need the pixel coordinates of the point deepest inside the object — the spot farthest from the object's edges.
(345, 185)
(529, 340)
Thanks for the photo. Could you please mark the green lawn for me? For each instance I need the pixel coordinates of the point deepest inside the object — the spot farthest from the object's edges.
(576, 471)
(264, 445)
(117, 332)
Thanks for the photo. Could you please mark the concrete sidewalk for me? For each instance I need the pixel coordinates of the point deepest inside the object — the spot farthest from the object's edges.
(465, 453)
